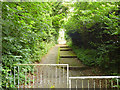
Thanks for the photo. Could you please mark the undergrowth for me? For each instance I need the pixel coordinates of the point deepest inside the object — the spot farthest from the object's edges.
(85, 55)
(90, 57)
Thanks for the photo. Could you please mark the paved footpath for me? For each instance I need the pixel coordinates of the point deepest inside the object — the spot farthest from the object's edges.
(76, 67)
(56, 77)
(52, 76)
(51, 56)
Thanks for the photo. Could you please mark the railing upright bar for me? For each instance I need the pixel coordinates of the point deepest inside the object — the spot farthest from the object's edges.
(14, 75)
(70, 84)
(52, 79)
(100, 83)
(18, 76)
(10, 76)
(48, 79)
(40, 79)
(59, 75)
(63, 74)
(25, 78)
(37, 77)
(7, 79)
(106, 83)
(111, 83)
(56, 75)
(76, 83)
(33, 76)
(117, 83)
(88, 84)
(94, 84)
(67, 75)
(82, 84)
(29, 78)
(44, 77)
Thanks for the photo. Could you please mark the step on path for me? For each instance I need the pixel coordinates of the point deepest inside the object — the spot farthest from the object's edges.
(76, 68)
(58, 79)
(66, 49)
(67, 56)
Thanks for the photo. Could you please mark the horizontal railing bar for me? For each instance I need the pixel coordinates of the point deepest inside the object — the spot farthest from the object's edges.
(17, 56)
(43, 64)
(94, 77)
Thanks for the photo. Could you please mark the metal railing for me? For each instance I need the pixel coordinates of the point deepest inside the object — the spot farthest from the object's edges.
(41, 75)
(94, 82)
(55, 76)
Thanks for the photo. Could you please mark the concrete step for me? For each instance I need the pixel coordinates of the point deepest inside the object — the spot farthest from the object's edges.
(68, 56)
(66, 49)
(67, 53)
(64, 46)
(77, 67)
(71, 61)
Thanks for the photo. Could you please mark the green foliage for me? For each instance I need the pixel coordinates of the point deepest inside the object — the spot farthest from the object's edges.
(94, 27)
(85, 55)
(29, 30)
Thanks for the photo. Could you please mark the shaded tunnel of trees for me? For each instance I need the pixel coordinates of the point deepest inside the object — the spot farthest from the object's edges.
(94, 32)
(30, 29)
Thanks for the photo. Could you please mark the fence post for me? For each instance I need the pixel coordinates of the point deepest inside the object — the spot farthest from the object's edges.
(70, 84)
(18, 76)
(67, 76)
(118, 83)
(14, 75)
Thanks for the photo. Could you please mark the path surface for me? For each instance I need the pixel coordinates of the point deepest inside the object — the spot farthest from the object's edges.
(52, 76)
(76, 67)
(51, 56)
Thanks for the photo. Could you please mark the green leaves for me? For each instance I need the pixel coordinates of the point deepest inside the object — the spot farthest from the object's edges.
(19, 8)
(96, 26)
(29, 30)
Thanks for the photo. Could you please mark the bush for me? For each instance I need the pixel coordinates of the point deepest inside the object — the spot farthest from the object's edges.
(94, 28)
(28, 33)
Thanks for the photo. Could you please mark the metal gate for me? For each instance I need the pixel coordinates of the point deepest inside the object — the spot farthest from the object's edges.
(94, 82)
(41, 75)
(56, 76)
